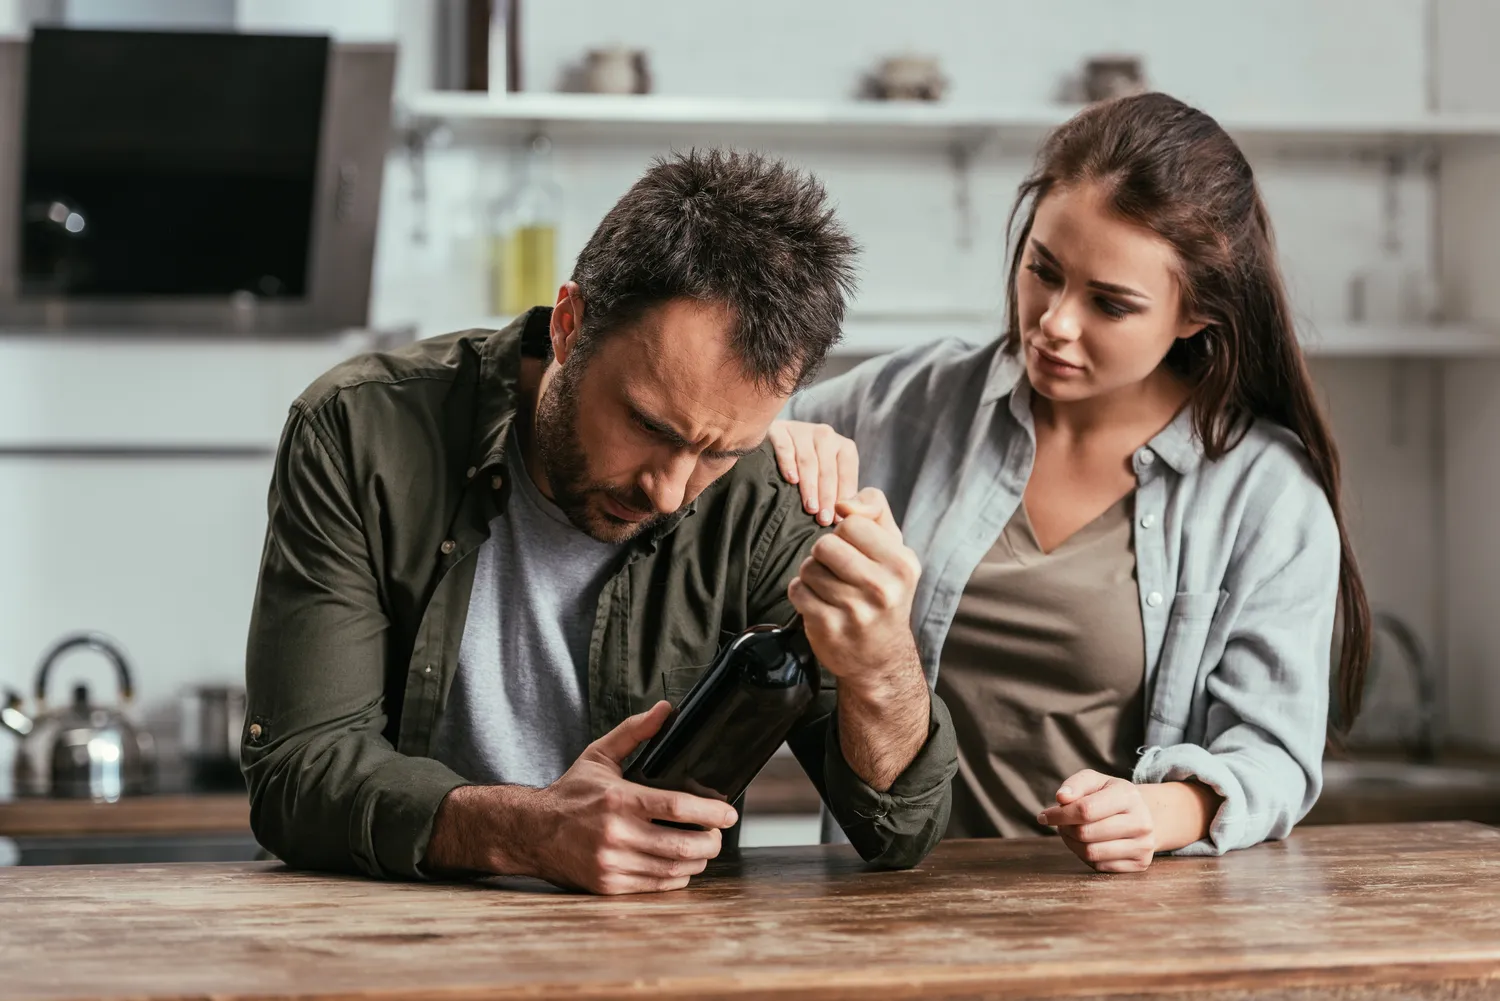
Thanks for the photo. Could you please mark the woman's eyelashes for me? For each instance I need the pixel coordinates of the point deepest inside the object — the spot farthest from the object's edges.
(1051, 279)
(1044, 274)
(1112, 309)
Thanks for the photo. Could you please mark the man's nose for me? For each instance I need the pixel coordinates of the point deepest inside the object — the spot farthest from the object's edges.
(667, 484)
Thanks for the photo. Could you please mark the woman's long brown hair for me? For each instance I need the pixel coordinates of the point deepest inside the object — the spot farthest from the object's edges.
(1172, 169)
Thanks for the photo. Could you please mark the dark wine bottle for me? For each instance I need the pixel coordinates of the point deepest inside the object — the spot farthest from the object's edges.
(734, 717)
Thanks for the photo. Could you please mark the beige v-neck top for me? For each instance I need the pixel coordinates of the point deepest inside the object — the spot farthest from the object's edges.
(1044, 672)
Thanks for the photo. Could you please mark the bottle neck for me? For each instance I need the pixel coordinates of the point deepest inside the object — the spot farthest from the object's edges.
(537, 165)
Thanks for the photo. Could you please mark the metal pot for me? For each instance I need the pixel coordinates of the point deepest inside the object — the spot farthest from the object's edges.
(213, 719)
(81, 751)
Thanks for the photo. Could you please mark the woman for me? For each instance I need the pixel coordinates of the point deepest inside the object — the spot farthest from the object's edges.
(1127, 508)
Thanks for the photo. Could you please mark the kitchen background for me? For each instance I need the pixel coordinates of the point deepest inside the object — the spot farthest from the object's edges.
(133, 466)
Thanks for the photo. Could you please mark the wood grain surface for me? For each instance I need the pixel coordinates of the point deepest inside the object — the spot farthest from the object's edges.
(1347, 912)
(201, 814)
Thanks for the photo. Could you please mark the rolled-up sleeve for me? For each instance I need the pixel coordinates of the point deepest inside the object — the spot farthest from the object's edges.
(896, 828)
(1266, 718)
(327, 789)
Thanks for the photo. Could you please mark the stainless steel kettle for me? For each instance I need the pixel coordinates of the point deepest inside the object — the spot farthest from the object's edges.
(81, 751)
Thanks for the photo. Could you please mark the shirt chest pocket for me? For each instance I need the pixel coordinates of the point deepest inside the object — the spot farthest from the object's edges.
(1189, 626)
(677, 681)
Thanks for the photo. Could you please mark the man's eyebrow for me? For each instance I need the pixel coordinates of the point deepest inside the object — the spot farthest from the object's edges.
(667, 433)
(733, 453)
(659, 427)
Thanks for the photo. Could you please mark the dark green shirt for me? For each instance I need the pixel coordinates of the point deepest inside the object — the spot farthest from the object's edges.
(389, 471)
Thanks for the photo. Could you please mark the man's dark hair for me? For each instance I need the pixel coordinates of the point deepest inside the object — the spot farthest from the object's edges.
(739, 230)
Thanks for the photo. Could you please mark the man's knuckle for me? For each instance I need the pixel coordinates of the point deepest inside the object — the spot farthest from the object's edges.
(613, 832)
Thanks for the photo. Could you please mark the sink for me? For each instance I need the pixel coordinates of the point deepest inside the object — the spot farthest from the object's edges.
(1398, 776)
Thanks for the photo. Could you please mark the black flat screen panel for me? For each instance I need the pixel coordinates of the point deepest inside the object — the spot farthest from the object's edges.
(169, 163)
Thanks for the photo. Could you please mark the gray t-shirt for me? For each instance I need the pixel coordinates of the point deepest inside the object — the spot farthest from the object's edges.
(517, 713)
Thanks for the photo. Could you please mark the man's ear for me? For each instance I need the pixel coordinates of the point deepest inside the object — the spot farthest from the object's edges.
(567, 321)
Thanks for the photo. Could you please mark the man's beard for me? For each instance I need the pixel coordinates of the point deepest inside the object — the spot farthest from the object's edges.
(567, 467)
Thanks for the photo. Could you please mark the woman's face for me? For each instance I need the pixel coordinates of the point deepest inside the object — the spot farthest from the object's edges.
(1097, 296)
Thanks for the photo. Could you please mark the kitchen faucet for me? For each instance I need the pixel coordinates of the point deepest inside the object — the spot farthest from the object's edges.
(1423, 673)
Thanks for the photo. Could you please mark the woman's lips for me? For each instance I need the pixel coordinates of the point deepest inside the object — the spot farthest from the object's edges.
(1052, 363)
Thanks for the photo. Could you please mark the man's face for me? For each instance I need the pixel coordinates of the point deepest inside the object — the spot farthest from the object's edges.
(649, 418)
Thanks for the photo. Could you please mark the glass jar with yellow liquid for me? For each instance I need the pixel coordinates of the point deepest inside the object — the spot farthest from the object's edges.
(523, 237)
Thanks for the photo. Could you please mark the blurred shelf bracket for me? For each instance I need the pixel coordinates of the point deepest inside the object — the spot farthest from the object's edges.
(961, 154)
(417, 135)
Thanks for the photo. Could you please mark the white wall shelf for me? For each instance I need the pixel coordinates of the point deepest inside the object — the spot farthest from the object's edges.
(867, 333)
(1444, 341)
(663, 116)
(879, 333)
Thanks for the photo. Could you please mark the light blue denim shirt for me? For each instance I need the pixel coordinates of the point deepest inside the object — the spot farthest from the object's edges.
(1237, 562)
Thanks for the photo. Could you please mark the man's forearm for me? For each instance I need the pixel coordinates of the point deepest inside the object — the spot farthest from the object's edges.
(480, 829)
(883, 727)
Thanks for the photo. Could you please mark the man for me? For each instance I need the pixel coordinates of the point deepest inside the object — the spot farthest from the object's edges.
(491, 554)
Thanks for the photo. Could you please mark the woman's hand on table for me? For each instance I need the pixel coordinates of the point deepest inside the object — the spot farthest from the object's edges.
(1115, 825)
(821, 461)
(1105, 821)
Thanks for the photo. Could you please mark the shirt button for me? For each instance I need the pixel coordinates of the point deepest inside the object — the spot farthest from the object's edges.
(427, 669)
(1148, 521)
(255, 731)
(496, 482)
(469, 473)
(1153, 599)
(448, 546)
(1146, 456)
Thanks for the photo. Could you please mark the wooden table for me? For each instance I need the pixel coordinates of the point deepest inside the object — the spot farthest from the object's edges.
(216, 813)
(1351, 912)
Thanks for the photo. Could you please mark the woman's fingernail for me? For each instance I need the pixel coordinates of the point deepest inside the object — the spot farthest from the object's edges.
(1041, 818)
(825, 516)
(1065, 791)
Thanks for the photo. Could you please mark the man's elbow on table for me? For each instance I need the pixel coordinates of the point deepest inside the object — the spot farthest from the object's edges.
(896, 827)
(345, 803)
